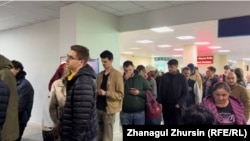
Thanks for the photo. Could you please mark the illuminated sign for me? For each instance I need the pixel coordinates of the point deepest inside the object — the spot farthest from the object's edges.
(205, 60)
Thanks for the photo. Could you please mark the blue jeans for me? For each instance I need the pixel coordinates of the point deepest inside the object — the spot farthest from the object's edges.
(156, 121)
(132, 118)
(94, 139)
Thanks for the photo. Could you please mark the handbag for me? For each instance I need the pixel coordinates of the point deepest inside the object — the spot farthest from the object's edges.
(153, 107)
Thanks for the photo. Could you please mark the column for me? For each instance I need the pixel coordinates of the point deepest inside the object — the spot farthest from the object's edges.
(189, 55)
(220, 60)
(98, 31)
(240, 63)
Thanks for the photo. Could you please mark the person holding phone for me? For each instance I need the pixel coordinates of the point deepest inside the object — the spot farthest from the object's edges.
(134, 101)
(110, 93)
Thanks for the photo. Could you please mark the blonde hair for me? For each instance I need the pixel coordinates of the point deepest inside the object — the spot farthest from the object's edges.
(66, 73)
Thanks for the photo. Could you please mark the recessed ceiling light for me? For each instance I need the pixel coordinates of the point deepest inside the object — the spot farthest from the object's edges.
(223, 50)
(135, 48)
(128, 52)
(163, 46)
(232, 61)
(201, 43)
(246, 59)
(144, 41)
(162, 29)
(178, 49)
(155, 56)
(214, 47)
(185, 37)
(177, 55)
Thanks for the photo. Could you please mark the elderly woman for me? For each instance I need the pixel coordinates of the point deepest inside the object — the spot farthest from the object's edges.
(227, 110)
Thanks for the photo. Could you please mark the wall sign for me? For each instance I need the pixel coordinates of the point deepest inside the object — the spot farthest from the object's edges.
(205, 60)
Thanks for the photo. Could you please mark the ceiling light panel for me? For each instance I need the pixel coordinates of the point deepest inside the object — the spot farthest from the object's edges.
(232, 61)
(201, 43)
(128, 52)
(178, 49)
(214, 47)
(223, 50)
(162, 29)
(185, 37)
(164, 46)
(144, 41)
(177, 55)
(246, 59)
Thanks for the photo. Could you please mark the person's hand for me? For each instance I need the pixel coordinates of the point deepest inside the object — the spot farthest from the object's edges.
(57, 130)
(101, 92)
(134, 91)
(127, 76)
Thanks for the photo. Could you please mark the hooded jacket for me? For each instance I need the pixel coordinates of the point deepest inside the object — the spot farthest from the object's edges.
(25, 97)
(10, 131)
(79, 120)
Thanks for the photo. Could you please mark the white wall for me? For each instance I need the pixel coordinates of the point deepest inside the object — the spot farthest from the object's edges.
(99, 32)
(36, 46)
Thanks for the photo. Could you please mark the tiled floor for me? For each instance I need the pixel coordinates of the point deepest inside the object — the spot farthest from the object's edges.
(33, 132)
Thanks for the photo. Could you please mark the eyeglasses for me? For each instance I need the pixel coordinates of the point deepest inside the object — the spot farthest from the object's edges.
(71, 57)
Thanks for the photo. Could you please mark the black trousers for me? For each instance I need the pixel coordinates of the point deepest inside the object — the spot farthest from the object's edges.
(21, 130)
(48, 136)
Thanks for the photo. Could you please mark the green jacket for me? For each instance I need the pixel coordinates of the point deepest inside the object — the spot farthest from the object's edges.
(10, 131)
(135, 103)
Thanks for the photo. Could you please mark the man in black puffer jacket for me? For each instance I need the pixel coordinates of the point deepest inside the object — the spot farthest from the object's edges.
(4, 100)
(79, 121)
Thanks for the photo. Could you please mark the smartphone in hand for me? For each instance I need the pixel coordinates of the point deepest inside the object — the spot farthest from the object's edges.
(132, 88)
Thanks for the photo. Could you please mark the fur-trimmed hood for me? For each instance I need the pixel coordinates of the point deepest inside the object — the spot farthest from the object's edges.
(5, 63)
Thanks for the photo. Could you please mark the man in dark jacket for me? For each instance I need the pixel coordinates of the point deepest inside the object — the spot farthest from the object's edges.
(173, 91)
(210, 80)
(79, 120)
(25, 96)
(4, 100)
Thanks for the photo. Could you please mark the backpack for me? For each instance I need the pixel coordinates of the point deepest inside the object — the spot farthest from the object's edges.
(153, 108)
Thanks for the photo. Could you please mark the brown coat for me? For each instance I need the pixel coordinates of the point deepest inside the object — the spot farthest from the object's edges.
(57, 100)
(243, 95)
(10, 131)
(115, 90)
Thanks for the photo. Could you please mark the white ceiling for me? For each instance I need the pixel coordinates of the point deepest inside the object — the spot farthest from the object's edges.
(14, 14)
(202, 31)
